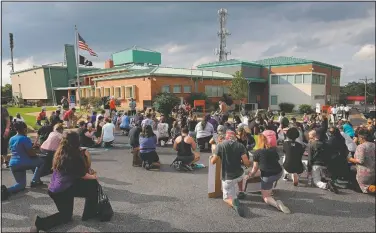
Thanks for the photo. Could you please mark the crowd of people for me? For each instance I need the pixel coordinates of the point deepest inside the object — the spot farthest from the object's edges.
(338, 155)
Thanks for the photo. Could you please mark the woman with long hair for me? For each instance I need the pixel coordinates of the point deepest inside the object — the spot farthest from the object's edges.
(266, 160)
(148, 144)
(204, 132)
(192, 122)
(70, 179)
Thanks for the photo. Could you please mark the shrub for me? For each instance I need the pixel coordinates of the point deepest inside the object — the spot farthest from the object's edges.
(95, 102)
(305, 108)
(84, 101)
(286, 107)
(165, 102)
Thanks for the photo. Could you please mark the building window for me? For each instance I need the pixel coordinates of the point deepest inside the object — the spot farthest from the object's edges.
(291, 79)
(98, 92)
(129, 92)
(283, 79)
(166, 89)
(336, 81)
(215, 91)
(177, 89)
(117, 91)
(321, 79)
(319, 97)
(298, 78)
(274, 100)
(307, 78)
(187, 89)
(274, 79)
(107, 91)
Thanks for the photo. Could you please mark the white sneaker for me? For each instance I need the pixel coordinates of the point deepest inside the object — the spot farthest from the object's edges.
(282, 207)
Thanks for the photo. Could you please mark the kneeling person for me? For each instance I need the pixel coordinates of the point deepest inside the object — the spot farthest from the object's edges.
(186, 147)
(148, 145)
(232, 153)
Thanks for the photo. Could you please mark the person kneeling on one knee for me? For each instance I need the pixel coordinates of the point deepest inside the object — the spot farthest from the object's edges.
(186, 148)
(148, 144)
(233, 154)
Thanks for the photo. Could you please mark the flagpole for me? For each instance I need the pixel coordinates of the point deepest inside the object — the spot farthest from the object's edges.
(77, 65)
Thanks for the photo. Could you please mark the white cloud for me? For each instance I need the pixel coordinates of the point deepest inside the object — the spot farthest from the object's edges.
(18, 65)
(367, 52)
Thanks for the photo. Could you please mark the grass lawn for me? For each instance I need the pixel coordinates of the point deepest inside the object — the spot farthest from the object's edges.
(29, 120)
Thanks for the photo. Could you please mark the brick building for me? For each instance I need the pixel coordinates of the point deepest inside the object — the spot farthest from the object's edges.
(285, 79)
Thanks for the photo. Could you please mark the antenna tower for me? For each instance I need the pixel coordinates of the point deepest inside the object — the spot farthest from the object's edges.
(222, 34)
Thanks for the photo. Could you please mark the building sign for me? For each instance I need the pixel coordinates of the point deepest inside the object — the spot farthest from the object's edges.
(72, 101)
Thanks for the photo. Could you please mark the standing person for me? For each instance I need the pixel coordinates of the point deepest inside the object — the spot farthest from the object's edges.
(204, 132)
(266, 160)
(347, 112)
(93, 117)
(134, 141)
(70, 179)
(292, 161)
(132, 106)
(148, 144)
(232, 153)
(318, 160)
(65, 103)
(334, 114)
(283, 121)
(69, 118)
(112, 106)
(108, 131)
(103, 112)
(5, 130)
(364, 160)
(23, 158)
(186, 148)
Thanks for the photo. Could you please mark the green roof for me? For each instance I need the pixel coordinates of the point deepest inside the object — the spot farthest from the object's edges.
(281, 61)
(113, 69)
(169, 72)
(275, 61)
(231, 62)
(85, 69)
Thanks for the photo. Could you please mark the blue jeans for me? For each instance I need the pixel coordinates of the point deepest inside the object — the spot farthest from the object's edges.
(19, 174)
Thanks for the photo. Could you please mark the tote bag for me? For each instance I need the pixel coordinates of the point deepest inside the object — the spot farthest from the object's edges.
(105, 211)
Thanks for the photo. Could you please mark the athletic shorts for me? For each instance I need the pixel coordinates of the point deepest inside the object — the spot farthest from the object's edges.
(267, 182)
(229, 187)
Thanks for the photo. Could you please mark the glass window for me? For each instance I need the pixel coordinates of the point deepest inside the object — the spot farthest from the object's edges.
(208, 91)
(117, 92)
(187, 89)
(298, 78)
(307, 78)
(166, 89)
(322, 79)
(282, 79)
(225, 90)
(274, 79)
(274, 100)
(290, 78)
(319, 97)
(177, 89)
(129, 91)
(220, 91)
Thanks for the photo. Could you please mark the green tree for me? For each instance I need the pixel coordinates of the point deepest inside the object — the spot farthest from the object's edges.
(239, 86)
(357, 89)
(165, 102)
(6, 90)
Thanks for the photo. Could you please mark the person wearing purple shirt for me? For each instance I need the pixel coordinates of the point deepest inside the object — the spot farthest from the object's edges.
(93, 118)
(70, 179)
(148, 144)
(214, 123)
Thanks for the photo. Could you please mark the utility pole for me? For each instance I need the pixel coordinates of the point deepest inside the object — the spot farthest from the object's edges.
(222, 34)
(11, 43)
(365, 80)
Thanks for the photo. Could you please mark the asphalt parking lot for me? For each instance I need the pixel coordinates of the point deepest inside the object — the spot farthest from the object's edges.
(168, 200)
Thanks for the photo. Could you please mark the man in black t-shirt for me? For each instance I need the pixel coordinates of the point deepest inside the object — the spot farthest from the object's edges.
(5, 132)
(43, 133)
(232, 153)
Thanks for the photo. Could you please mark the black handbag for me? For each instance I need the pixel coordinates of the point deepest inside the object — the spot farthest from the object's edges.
(105, 211)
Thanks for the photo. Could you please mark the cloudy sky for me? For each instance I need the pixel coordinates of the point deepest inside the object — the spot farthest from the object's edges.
(341, 33)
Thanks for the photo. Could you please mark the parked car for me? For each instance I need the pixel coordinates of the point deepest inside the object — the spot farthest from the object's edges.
(371, 114)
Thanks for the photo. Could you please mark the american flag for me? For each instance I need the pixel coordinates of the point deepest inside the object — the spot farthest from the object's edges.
(82, 45)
